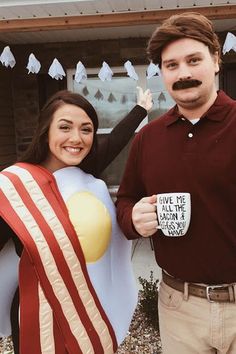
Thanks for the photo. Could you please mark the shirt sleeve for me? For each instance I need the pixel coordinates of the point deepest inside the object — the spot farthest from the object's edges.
(5, 235)
(112, 144)
(131, 191)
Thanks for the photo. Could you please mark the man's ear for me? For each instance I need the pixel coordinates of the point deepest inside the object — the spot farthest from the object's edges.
(217, 61)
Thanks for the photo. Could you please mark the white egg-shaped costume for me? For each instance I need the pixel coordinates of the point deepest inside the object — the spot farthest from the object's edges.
(77, 289)
(112, 274)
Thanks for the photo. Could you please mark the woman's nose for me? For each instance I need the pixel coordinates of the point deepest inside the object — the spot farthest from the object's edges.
(75, 137)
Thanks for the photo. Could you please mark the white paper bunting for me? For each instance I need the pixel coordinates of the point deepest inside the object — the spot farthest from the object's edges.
(33, 65)
(230, 43)
(80, 72)
(130, 70)
(7, 58)
(152, 70)
(105, 72)
(56, 70)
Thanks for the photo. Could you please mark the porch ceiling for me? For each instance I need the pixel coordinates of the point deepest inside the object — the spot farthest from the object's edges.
(37, 21)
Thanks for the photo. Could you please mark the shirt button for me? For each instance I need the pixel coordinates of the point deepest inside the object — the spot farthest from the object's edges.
(182, 118)
(190, 135)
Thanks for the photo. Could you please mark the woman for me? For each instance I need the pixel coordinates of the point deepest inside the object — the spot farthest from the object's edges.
(110, 146)
(63, 225)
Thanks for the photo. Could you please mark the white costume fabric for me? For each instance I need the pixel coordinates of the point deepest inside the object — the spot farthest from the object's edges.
(111, 275)
(9, 262)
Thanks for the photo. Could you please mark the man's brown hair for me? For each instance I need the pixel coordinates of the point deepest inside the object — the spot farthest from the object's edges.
(186, 25)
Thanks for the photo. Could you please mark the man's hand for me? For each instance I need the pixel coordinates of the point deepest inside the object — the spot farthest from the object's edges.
(144, 216)
(144, 99)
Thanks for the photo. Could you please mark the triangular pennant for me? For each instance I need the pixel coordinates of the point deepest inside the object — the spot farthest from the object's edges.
(111, 98)
(105, 72)
(162, 97)
(130, 70)
(7, 58)
(56, 70)
(230, 43)
(123, 99)
(98, 95)
(80, 73)
(153, 70)
(33, 65)
(85, 91)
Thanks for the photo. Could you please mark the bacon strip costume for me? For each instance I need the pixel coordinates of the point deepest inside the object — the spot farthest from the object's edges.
(64, 306)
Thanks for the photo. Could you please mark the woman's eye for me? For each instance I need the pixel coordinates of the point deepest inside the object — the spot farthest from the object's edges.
(64, 127)
(87, 130)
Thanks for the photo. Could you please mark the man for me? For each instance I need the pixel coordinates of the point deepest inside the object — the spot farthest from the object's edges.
(191, 148)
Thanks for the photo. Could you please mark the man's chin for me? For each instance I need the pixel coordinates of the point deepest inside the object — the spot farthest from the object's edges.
(186, 95)
(190, 101)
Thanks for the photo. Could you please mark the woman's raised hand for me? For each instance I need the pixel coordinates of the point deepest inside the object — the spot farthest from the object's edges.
(144, 99)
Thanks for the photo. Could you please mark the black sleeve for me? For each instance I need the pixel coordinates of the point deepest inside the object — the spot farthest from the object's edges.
(112, 144)
(6, 233)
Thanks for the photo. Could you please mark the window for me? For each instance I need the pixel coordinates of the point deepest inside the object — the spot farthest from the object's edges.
(162, 101)
(113, 100)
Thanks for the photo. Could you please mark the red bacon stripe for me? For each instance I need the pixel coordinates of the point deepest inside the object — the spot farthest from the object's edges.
(69, 338)
(29, 307)
(48, 184)
(29, 302)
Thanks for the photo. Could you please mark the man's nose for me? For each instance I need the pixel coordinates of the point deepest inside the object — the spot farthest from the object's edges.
(184, 72)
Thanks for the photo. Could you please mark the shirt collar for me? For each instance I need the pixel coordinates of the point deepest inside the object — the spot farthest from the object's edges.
(223, 103)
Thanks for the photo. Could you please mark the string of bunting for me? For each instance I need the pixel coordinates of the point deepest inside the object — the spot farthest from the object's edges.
(57, 72)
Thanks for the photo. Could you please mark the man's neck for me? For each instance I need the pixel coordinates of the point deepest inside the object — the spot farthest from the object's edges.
(198, 112)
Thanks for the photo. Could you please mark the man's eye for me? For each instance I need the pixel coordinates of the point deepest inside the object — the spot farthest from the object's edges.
(194, 60)
(171, 65)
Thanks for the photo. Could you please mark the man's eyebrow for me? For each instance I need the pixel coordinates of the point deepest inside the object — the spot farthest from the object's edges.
(187, 56)
(168, 61)
(193, 54)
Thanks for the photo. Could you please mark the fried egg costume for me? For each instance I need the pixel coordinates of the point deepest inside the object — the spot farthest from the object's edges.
(77, 289)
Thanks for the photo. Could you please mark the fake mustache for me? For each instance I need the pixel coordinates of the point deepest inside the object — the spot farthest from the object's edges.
(180, 85)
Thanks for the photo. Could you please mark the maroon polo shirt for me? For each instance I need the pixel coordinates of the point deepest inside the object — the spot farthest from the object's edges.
(170, 154)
